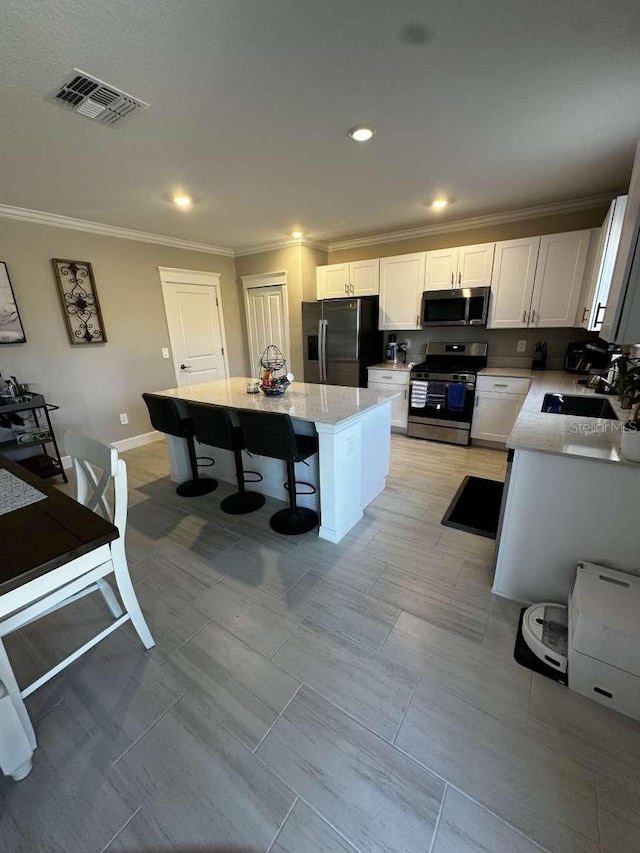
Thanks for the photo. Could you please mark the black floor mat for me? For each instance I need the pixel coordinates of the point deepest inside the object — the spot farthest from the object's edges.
(476, 507)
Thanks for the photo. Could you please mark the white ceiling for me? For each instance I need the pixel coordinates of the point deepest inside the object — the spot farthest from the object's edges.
(509, 103)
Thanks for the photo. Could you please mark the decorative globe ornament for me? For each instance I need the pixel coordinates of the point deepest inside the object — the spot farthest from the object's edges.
(274, 377)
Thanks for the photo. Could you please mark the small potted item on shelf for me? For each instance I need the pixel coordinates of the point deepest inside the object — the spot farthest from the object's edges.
(627, 386)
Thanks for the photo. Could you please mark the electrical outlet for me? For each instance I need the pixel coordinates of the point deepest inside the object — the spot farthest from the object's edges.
(165, 352)
(124, 419)
(522, 346)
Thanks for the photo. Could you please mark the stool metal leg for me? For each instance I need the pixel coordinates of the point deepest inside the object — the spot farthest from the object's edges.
(244, 501)
(198, 485)
(296, 519)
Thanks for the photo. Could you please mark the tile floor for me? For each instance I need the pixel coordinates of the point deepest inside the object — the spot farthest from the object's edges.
(305, 697)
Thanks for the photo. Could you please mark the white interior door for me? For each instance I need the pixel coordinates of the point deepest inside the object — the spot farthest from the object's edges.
(194, 318)
(266, 322)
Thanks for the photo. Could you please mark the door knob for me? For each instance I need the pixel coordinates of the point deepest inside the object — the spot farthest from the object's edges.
(185, 367)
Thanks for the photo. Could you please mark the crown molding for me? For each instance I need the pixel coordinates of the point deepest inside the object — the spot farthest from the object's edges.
(39, 217)
(474, 222)
(281, 244)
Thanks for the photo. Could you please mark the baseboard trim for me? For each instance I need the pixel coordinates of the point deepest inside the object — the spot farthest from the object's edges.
(136, 441)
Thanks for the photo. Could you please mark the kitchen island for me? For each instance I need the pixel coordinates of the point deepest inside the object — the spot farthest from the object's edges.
(569, 496)
(354, 435)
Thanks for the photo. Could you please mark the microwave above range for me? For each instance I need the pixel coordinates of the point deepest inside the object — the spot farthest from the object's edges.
(465, 306)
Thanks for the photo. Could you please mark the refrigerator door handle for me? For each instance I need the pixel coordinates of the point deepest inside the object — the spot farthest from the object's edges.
(322, 337)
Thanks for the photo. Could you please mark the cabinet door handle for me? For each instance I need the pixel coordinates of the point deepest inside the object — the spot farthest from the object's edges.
(500, 385)
(524, 316)
(585, 315)
(353, 290)
(475, 405)
(346, 289)
(405, 393)
(452, 274)
(459, 279)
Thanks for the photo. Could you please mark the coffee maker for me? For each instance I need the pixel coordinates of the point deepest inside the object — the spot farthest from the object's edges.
(587, 356)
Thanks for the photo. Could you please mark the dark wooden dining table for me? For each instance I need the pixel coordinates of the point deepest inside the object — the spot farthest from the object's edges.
(45, 535)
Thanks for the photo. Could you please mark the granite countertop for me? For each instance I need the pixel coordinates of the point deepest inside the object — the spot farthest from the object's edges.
(513, 372)
(328, 404)
(567, 435)
(401, 368)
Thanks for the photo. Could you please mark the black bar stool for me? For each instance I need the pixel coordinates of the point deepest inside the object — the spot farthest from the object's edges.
(165, 417)
(273, 435)
(213, 426)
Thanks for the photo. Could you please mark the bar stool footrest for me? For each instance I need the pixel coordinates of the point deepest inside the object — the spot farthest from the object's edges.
(202, 459)
(258, 477)
(310, 486)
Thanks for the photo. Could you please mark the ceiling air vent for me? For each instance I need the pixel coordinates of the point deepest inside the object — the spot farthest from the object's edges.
(95, 99)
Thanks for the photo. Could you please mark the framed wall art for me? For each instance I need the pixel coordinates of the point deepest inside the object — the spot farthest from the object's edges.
(11, 330)
(80, 304)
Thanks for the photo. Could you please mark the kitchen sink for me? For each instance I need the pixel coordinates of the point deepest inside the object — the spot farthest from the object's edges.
(585, 407)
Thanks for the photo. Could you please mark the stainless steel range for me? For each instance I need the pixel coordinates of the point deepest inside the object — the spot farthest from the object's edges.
(442, 391)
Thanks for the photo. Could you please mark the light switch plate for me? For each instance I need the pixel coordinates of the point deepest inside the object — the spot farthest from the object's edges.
(522, 346)
(165, 352)
(124, 419)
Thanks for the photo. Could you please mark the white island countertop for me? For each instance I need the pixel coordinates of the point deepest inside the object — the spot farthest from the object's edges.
(327, 404)
(567, 435)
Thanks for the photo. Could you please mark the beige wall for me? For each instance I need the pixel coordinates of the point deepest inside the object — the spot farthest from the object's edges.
(299, 263)
(93, 384)
(508, 231)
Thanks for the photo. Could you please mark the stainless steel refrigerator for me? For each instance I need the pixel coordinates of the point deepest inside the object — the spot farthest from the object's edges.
(340, 340)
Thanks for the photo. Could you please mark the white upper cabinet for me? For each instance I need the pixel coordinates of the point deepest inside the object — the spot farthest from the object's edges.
(332, 281)
(600, 264)
(464, 266)
(358, 278)
(441, 269)
(475, 264)
(364, 277)
(514, 270)
(558, 279)
(401, 283)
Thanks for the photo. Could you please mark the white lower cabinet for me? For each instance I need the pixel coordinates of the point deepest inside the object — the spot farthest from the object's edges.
(494, 415)
(381, 380)
(497, 405)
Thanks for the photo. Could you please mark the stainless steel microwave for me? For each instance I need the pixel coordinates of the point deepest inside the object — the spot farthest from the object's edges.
(464, 306)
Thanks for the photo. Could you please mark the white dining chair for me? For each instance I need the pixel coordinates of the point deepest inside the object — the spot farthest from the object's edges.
(100, 485)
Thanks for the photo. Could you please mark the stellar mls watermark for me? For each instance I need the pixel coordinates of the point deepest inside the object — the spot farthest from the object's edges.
(602, 427)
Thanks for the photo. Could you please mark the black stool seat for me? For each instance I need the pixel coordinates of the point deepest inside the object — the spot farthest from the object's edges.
(213, 426)
(166, 417)
(271, 434)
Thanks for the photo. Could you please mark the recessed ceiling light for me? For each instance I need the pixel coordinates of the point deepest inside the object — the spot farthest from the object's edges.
(182, 201)
(361, 133)
(439, 203)
(297, 235)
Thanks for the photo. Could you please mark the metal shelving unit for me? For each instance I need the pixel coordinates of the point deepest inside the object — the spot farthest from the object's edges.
(51, 464)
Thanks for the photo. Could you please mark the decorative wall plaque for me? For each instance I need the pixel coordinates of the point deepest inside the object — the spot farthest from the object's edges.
(80, 303)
